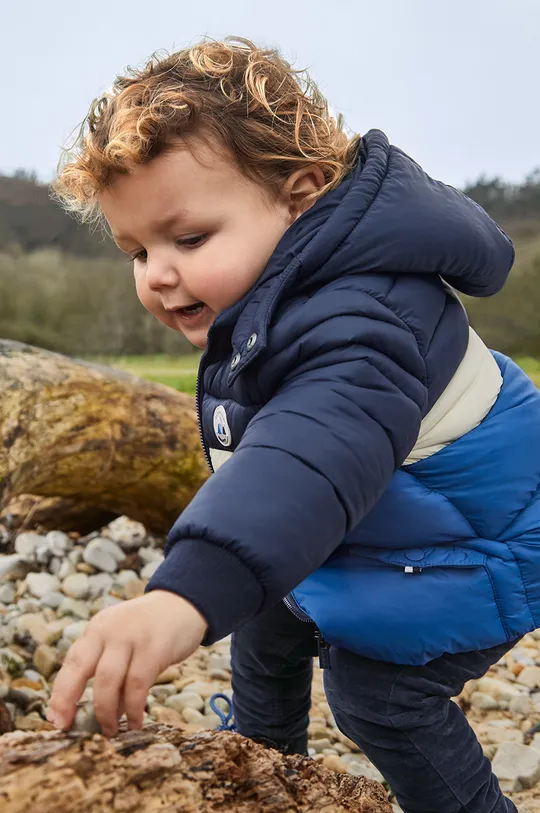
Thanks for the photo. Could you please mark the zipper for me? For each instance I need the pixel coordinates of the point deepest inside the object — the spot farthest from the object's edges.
(324, 650)
(323, 646)
(198, 409)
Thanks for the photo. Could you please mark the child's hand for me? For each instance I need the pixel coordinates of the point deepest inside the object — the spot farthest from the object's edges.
(126, 647)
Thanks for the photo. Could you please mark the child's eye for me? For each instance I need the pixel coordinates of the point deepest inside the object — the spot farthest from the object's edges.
(192, 242)
(139, 256)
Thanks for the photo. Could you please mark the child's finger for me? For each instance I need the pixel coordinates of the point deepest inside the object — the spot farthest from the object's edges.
(109, 679)
(78, 667)
(141, 675)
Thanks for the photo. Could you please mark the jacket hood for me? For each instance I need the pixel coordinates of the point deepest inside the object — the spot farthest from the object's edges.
(390, 216)
(387, 216)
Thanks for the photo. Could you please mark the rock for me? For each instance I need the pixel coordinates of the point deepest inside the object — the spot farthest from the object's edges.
(192, 716)
(39, 584)
(26, 544)
(149, 569)
(220, 674)
(125, 576)
(10, 565)
(167, 716)
(33, 722)
(320, 744)
(108, 600)
(126, 532)
(12, 662)
(151, 555)
(134, 588)
(530, 677)
(5, 682)
(520, 705)
(43, 554)
(28, 605)
(7, 594)
(219, 661)
(162, 692)
(185, 700)
(361, 766)
(498, 689)
(517, 766)
(219, 703)
(315, 732)
(7, 716)
(55, 566)
(83, 567)
(74, 631)
(99, 584)
(7, 634)
(35, 625)
(66, 569)
(170, 674)
(521, 655)
(59, 543)
(46, 660)
(71, 606)
(484, 702)
(24, 683)
(205, 690)
(103, 554)
(53, 600)
(209, 722)
(75, 556)
(32, 674)
(76, 585)
(85, 719)
(496, 735)
(334, 763)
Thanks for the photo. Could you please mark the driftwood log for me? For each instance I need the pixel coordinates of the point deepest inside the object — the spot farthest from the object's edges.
(81, 443)
(161, 769)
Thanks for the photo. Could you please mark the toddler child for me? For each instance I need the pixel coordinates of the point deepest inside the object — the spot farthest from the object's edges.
(376, 493)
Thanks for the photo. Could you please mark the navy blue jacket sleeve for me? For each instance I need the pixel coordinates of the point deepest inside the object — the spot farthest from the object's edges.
(310, 465)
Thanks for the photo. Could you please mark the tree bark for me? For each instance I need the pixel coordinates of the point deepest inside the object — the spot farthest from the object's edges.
(161, 769)
(98, 441)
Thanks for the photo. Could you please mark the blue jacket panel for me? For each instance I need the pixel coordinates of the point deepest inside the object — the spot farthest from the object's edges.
(449, 558)
(319, 377)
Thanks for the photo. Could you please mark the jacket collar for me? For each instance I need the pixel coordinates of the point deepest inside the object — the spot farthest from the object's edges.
(302, 251)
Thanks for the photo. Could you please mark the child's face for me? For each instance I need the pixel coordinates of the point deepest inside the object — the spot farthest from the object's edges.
(199, 231)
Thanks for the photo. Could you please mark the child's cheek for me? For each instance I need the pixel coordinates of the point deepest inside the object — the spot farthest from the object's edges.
(151, 301)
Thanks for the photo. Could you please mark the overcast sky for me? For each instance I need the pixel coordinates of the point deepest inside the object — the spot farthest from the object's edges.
(455, 83)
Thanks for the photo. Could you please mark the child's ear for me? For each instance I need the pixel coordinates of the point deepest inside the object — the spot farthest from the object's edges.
(301, 189)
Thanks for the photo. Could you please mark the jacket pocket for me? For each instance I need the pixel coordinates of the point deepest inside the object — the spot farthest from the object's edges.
(405, 607)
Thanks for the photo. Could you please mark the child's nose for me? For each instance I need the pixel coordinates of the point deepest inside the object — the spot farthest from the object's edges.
(161, 274)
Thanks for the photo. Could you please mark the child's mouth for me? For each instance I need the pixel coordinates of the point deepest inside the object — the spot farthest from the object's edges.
(191, 313)
(191, 310)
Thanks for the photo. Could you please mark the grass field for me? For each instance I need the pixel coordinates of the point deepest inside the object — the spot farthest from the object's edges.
(180, 372)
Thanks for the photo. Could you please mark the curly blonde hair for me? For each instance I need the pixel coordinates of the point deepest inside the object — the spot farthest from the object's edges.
(271, 118)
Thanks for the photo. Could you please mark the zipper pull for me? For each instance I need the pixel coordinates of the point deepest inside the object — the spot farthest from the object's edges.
(324, 651)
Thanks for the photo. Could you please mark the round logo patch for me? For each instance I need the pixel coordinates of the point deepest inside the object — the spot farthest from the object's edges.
(221, 426)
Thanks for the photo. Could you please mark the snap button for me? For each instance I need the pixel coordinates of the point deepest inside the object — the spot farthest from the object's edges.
(235, 362)
(251, 341)
(415, 555)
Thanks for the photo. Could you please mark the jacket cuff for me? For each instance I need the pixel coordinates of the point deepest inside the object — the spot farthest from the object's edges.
(214, 580)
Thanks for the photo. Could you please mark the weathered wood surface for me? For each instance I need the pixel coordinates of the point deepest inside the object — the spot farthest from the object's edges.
(98, 439)
(160, 769)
